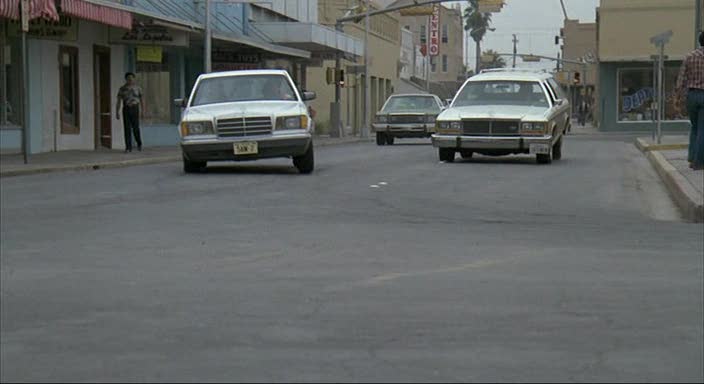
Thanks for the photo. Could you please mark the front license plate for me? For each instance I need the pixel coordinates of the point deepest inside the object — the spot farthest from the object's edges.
(246, 148)
(542, 149)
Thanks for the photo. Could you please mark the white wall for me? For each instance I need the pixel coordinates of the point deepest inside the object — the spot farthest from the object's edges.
(89, 34)
(305, 11)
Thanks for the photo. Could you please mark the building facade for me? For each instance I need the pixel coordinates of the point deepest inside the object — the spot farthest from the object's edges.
(625, 71)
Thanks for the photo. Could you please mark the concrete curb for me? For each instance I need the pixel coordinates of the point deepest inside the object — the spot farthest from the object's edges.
(130, 163)
(686, 197)
(647, 147)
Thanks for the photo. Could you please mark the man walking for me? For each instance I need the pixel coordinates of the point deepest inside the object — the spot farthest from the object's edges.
(130, 96)
(691, 82)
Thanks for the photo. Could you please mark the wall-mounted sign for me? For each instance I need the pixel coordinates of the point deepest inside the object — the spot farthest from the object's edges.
(149, 54)
(227, 56)
(434, 47)
(66, 29)
(219, 67)
(149, 34)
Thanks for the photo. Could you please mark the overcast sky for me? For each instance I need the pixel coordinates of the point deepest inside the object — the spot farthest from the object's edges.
(536, 23)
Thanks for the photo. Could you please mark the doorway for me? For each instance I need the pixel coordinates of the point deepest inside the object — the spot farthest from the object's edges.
(103, 112)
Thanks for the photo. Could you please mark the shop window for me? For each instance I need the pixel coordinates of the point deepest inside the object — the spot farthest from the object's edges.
(444, 33)
(433, 64)
(636, 94)
(69, 93)
(154, 78)
(444, 63)
(10, 78)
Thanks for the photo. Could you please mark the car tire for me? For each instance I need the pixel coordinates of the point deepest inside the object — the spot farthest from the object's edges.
(446, 154)
(543, 158)
(306, 162)
(466, 154)
(193, 166)
(557, 150)
(380, 138)
(389, 140)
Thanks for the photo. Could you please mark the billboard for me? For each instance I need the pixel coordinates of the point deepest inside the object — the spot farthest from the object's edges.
(434, 46)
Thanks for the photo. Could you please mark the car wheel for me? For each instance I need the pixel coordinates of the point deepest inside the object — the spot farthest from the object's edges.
(544, 158)
(380, 138)
(193, 166)
(306, 162)
(446, 154)
(466, 154)
(557, 150)
(389, 140)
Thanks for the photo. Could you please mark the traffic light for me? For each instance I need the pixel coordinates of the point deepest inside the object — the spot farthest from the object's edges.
(330, 75)
(577, 79)
(333, 76)
(340, 77)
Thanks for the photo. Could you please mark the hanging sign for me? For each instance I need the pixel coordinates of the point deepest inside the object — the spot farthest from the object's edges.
(434, 47)
(149, 54)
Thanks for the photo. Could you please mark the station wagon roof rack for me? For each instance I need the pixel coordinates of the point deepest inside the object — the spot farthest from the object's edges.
(528, 70)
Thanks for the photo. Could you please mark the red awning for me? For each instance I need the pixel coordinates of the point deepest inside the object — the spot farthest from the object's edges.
(99, 13)
(37, 8)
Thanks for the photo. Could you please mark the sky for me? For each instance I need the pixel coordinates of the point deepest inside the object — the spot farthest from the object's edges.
(536, 23)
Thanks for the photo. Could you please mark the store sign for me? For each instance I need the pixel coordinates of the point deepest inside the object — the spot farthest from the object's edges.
(149, 54)
(224, 56)
(149, 34)
(66, 29)
(434, 47)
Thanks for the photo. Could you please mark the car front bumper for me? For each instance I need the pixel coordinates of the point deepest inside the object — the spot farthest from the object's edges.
(519, 144)
(405, 130)
(222, 149)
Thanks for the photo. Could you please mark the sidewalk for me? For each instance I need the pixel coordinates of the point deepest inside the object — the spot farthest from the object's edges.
(13, 165)
(685, 185)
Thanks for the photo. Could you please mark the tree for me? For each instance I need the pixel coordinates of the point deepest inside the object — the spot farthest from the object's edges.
(496, 62)
(477, 24)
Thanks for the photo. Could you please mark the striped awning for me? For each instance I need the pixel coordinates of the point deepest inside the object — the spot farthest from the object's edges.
(101, 14)
(37, 8)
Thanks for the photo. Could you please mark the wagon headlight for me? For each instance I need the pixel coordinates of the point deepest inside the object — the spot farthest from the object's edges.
(451, 127)
(382, 119)
(533, 128)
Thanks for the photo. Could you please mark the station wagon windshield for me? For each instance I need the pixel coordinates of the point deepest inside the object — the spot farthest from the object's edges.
(243, 88)
(411, 104)
(523, 93)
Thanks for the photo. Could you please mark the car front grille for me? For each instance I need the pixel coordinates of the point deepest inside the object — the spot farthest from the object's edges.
(407, 119)
(247, 126)
(490, 127)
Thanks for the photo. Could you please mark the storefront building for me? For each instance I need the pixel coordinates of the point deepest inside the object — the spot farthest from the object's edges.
(626, 84)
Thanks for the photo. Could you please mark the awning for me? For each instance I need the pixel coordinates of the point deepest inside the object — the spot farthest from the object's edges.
(280, 49)
(311, 37)
(37, 8)
(105, 15)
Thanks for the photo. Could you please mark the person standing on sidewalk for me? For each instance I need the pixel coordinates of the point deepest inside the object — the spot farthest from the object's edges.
(691, 82)
(130, 96)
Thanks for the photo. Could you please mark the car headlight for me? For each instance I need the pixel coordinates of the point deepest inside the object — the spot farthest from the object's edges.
(451, 127)
(430, 118)
(533, 128)
(292, 122)
(189, 128)
(383, 119)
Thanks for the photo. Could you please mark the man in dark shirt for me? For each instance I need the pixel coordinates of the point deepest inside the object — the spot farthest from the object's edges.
(691, 83)
(130, 96)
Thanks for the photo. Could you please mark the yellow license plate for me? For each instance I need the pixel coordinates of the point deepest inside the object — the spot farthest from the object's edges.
(246, 148)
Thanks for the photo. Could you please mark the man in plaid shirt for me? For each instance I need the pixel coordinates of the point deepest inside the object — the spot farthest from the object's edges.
(691, 83)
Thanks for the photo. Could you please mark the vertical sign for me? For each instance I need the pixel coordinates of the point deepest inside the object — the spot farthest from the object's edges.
(434, 47)
(24, 15)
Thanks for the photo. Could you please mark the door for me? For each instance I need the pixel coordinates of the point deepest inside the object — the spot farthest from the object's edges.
(103, 114)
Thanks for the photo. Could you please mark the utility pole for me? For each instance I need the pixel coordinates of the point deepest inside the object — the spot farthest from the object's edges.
(24, 16)
(699, 8)
(660, 41)
(515, 41)
(427, 56)
(367, 80)
(207, 59)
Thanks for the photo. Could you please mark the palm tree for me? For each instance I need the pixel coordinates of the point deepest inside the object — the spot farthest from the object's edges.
(496, 62)
(477, 24)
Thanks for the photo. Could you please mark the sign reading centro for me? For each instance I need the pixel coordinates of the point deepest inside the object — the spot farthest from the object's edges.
(434, 46)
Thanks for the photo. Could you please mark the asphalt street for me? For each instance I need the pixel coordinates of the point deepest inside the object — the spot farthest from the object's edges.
(383, 265)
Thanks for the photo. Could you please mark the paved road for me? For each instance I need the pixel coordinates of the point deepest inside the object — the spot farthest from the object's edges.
(490, 269)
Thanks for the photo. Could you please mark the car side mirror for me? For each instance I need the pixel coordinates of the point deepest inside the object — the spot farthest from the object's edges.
(180, 102)
(560, 101)
(308, 95)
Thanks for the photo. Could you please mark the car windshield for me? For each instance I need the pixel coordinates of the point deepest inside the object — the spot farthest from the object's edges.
(525, 93)
(411, 104)
(243, 88)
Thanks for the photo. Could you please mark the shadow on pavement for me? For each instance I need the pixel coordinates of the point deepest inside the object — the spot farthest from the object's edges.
(251, 169)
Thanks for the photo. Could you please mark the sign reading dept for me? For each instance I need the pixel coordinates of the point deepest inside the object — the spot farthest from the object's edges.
(434, 47)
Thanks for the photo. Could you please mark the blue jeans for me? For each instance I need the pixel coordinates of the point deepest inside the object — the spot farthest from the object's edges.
(695, 108)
